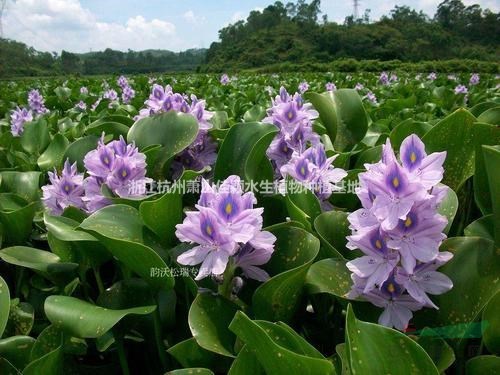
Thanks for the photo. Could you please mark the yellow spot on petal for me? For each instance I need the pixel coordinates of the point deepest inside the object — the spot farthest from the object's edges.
(413, 157)
(228, 208)
(395, 182)
(408, 222)
(289, 115)
(391, 288)
(209, 229)
(302, 171)
(124, 173)
(378, 244)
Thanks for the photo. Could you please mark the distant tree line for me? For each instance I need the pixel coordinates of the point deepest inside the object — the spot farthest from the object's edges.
(295, 33)
(17, 59)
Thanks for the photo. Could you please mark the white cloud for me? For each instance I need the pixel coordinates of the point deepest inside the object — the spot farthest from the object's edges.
(192, 18)
(238, 16)
(53, 25)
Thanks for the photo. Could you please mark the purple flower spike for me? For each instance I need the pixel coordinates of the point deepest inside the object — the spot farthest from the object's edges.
(118, 165)
(474, 79)
(399, 231)
(224, 79)
(64, 190)
(315, 171)
(461, 90)
(18, 117)
(226, 225)
(294, 119)
(36, 102)
(330, 86)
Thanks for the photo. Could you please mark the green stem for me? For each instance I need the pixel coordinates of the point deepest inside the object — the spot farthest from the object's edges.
(226, 288)
(98, 280)
(158, 338)
(20, 276)
(122, 357)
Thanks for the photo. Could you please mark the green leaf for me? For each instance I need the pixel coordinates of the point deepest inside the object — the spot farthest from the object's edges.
(53, 337)
(162, 214)
(332, 228)
(50, 363)
(246, 363)
(77, 150)
(83, 319)
(120, 229)
(491, 325)
(39, 260)
(35, 137)
(16, 350)
(278, 298)
(448, 207)
(24, 184)
(375, 349)
(483, 365)
(302, 203)
(254, 114)
(343, 115)
(191, 371)
(21, 318)
(474, 270)
(492, 161)
(458, 134)
(482, 227)
(243, 152)
(274, 358)
(173, 131)
(16, 217)
(189, 354)
(4, 305)
(209, 317)
(438, 349)
(52, 157)
(329, 276)
(406, 128)
(490, 116)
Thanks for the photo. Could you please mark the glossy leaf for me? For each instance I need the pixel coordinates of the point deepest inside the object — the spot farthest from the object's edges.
(274, 358)
(4, 304)
(368, 341)
(52, 157)
(209, 317)
(329, 276)
(243, 152)
(120, 229)
(343, 115)
(483, 365)
(491, 325)
(83, 319)
(40, 260)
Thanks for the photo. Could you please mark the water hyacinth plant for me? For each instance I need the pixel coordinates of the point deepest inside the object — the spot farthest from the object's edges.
(184, 224)
(399, 231)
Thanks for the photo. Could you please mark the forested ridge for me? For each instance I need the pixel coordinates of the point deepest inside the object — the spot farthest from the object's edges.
(298, 33)
(296, 36)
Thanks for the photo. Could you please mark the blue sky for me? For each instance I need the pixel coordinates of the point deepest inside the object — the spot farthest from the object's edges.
(84, 25)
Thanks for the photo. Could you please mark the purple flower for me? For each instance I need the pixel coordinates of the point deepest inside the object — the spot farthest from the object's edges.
(294, 118)
(359, 86)
(199, 154)
(303, 87)
(224, 79)
(118, 165)
(81, 105)
(64, 190)
(384, 78)
(128, 93)
(425, 279)
(398, 307)
(226, 225)
(399, 230)
(110, 94)
(18, 117)
(393, 78)
(371, 97)
(452, 77)
(36, 102)
(474, 79)
(84, 90)
(122, 81)
(312, 169)
(461, 89)
(432, 76)
(330, 86)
